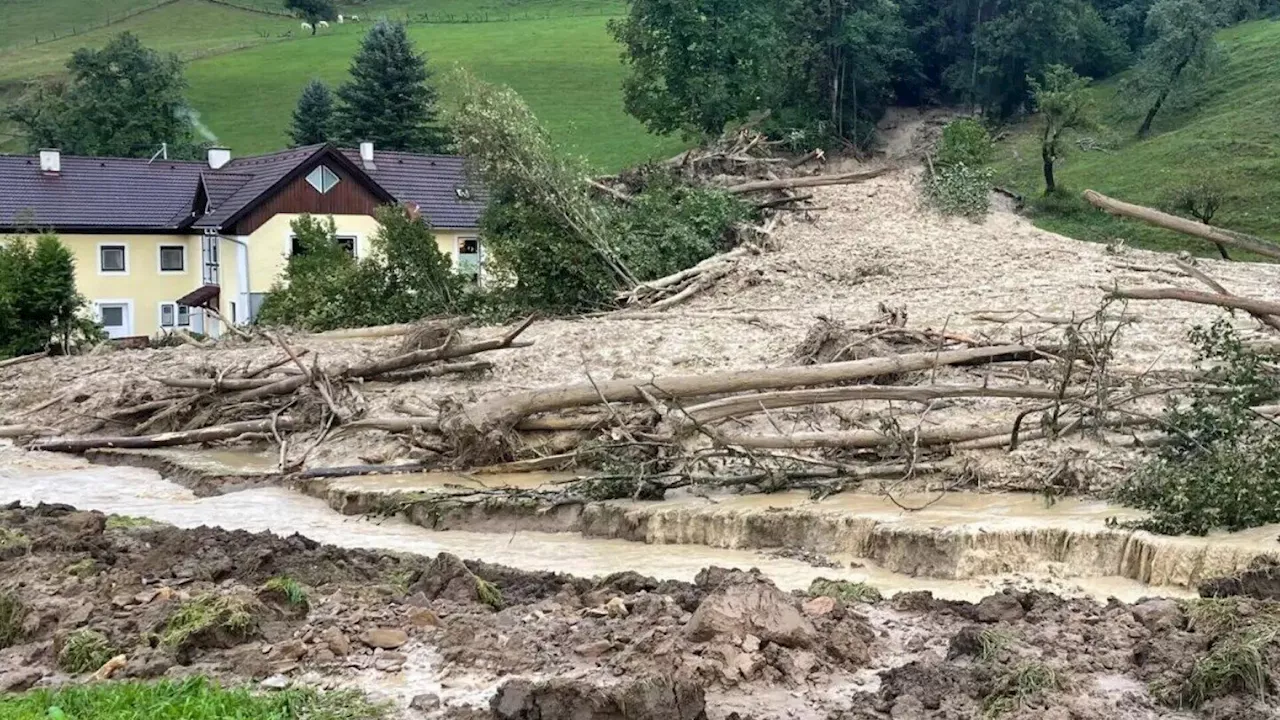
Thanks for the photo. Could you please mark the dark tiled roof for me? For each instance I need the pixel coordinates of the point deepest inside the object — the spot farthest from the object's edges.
(431, 181)
(261, 171)
(109, 193)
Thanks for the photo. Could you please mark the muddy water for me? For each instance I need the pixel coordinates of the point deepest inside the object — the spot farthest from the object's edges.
(139, 492)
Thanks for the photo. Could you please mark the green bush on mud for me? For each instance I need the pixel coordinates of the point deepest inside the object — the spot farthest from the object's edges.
(205, 613)
(195, 698)
(288, 588)
(991, 641)
(1221, 465)
(12, 613)
(85, 650)
(1018, 686)
(83, 568)
(488, 594)
(845, 591)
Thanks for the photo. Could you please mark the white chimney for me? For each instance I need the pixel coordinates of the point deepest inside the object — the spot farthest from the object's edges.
(366, 155)
(219, 156)
(51, 161)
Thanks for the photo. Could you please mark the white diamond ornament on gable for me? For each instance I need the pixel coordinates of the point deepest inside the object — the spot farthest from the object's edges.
(322, 179)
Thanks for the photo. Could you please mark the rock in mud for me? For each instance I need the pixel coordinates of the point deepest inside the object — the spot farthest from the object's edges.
(966, 643)
(1159, 615)
(447, 577)
(385, 638)
(19, 680)
(751, 606)
(1001, 607)
(820, 606)
(336, 641)
(390, 661)
(275, 682)
(650, 698)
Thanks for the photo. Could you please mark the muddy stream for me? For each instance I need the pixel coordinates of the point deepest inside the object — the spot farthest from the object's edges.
(971, 544)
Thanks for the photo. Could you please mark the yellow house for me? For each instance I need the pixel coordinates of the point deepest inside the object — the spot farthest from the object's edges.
(165, 244)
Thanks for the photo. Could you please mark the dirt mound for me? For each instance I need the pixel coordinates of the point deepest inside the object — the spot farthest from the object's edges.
(649, 698)
(1261, 581)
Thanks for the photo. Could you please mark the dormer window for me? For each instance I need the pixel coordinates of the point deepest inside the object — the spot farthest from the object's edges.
(322, 179)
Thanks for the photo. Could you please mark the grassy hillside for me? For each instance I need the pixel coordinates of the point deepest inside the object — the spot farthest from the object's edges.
(23, 22)
(566, 68)
(1230, 130)
(247, 68)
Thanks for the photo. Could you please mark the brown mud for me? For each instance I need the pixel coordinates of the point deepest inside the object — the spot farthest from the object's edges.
(454, 639)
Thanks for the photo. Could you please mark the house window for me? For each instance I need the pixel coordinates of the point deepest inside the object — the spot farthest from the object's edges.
(322, 179)
(346, 242)
(111, 258)
(174, 315)
(173, 258)
(469, 260)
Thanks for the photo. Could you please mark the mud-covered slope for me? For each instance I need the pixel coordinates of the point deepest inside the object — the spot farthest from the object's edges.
(440, 633)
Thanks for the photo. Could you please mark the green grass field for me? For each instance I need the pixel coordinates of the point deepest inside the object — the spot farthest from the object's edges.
(1230, 130)
(247, 68)
(567, 69)
(26, 21)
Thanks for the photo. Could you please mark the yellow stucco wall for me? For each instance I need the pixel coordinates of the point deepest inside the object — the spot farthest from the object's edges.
(142, 285)
(270, 244)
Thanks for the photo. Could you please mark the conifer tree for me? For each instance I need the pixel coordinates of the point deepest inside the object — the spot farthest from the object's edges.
(313, 117)
(389, 99)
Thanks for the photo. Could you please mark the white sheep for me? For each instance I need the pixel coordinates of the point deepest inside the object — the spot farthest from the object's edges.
(323, 24)
(307, 26)
(355, 18)
(340, 19)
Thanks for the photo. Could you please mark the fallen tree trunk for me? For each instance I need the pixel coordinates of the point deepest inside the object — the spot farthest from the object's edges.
(23, 359)
(369, 332)
(173, 439)
(445, 352)
(808, 181)
(750, 404)
(434, 371)
(1269, 320)
(1249, 305)
(227, 384)
(480, 430)
(1187, 227)
(21, 431)
(850, 439)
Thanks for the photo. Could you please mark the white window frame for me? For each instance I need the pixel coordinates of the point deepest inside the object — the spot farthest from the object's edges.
(160, 258)
(457, 255)
(98, 259)
(325, 174)
(177, 316)
(129, 326)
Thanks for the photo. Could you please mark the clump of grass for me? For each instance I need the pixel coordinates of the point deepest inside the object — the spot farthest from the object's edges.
(1213, 615)
(288, 588)
(12, 613)
(204, 614)
(83, 568)
(488, 594)
(1235, 664)
(195, 698)
(1019, 685)
(128, 521)
(991, 641)
(845, 591)
(85, 650)
(401, 579)
(13, 543)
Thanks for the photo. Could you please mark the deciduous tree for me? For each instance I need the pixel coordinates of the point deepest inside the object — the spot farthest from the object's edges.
(123, 100)
(1063, 104)
(389, 99)
(313, 11)
(1182, 50)
(39, 304)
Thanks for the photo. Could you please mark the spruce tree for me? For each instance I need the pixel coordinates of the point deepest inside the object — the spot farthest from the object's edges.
(313, 117)
(389, 100)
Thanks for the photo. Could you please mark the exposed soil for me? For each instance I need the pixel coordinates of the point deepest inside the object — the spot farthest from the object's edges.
(446, 638)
